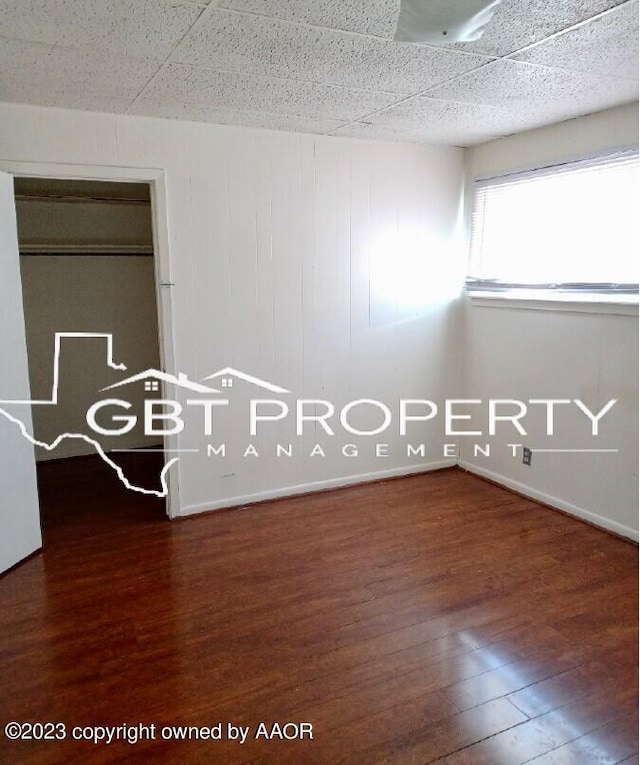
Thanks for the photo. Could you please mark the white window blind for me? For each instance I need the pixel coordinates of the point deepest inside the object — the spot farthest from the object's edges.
(571, 227)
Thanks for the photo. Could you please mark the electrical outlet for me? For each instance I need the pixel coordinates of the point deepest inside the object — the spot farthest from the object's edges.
(526, 456)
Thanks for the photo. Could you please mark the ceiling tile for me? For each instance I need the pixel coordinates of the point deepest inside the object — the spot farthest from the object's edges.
(195, 113)
(138, 28)
(608, 45)
(27, 67)
(389, 133)
(536, 95)
(518, 23)
(515, 24)
(181, 84)
(445, 121)
(378, 133)
(370, 17)
(258, 45)
(314, 65)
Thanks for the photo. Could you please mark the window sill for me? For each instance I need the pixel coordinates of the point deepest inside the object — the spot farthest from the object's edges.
(618, 305)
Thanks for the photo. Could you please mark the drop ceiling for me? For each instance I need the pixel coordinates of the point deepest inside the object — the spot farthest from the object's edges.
(320, 66)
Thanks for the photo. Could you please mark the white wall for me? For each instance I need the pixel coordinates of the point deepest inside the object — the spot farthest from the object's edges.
(573, 139)
(80, 293)
(271, 237)
(513, 351)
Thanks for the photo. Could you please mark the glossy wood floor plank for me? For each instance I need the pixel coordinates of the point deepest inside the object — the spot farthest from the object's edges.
(431, 618)
(529, 740)
(611, 744)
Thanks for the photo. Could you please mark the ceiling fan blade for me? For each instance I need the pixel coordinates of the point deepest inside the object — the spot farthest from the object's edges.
(443, 21)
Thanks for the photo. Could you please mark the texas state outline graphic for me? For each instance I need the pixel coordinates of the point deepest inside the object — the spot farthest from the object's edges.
(59, 336)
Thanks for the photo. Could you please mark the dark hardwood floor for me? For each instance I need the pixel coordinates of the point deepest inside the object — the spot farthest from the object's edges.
(435, 618)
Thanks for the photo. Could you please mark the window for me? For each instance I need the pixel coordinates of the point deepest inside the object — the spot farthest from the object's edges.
(566, 229)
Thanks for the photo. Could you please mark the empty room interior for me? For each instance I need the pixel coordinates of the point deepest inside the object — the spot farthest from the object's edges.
(319, 382)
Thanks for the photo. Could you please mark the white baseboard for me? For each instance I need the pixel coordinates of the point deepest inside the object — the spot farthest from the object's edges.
(308, 488)
(351, 480)
(547, 499)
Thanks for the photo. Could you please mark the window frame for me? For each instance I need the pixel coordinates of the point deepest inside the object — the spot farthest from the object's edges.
(572, 294)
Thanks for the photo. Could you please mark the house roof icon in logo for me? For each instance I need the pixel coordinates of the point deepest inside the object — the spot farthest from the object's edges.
(181, 381)
(228, 374)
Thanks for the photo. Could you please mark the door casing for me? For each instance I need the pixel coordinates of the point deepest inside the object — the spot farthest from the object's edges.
(156, 179)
